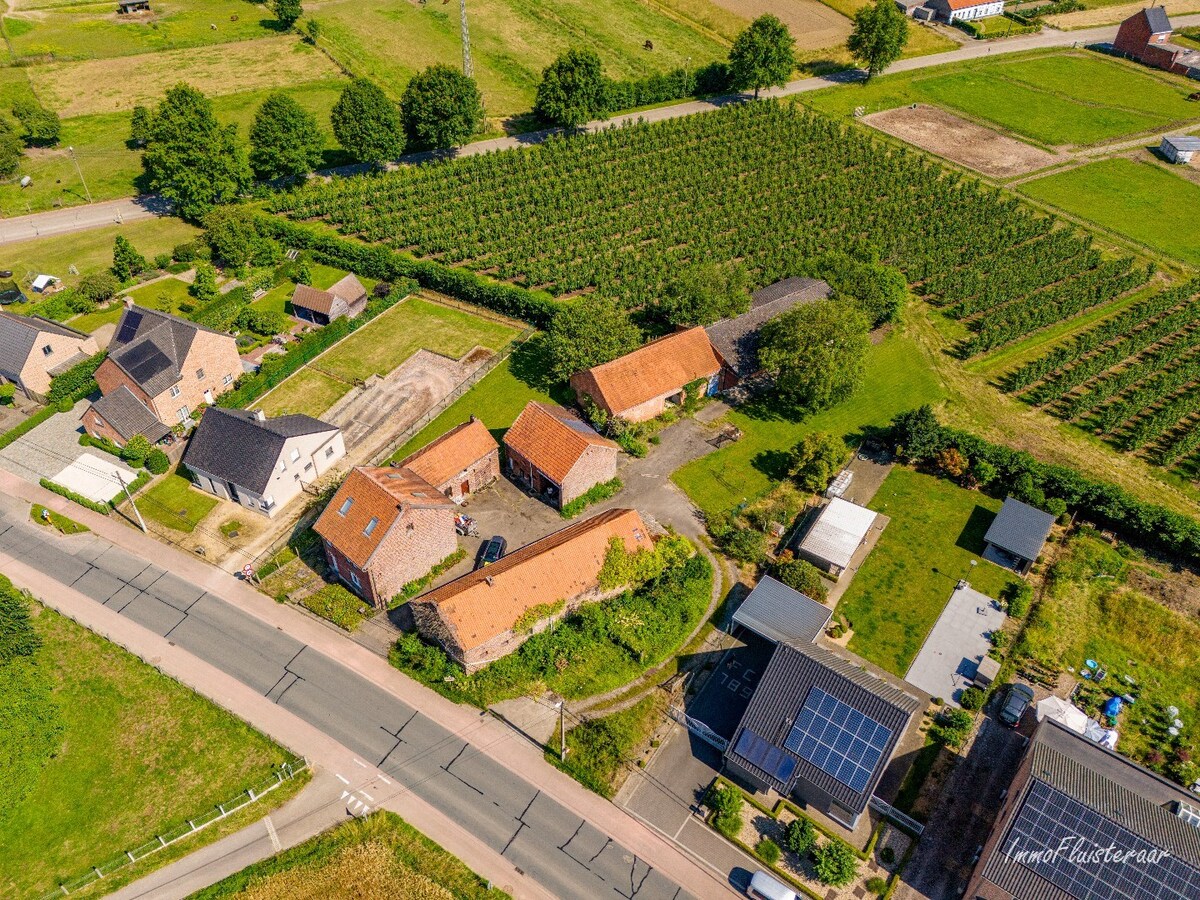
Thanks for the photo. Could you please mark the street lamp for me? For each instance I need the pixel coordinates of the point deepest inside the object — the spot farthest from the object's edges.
(71, 153)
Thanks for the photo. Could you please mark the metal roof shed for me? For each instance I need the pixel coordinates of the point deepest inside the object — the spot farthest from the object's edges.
(1017, 534)
(835, 536)
(782, 615)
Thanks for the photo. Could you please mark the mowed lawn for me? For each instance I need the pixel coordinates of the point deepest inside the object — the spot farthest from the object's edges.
(138, 753)
(1145, 202)
(898, 378)
(308, 391)
(411, 325)
(936, 530)
(173, 502)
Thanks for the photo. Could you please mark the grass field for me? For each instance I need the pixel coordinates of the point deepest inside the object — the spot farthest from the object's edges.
(936, 530)
(1056, 98)
(598, 749)
(389, 340)
(173, 502)
(897, 379)
(380, 856)
(1142, 201)
(138, 753)
(511, 40)
(308, 391)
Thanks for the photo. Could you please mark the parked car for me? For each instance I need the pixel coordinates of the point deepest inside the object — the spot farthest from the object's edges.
(491, 551)
(1020, 696)
(764, 887)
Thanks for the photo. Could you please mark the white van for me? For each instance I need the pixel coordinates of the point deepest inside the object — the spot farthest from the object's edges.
(764, 887)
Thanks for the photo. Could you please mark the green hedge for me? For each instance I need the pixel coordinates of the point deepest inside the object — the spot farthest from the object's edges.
(595, 494)
(219, 313)
(535, 307)
(77, 381)
(74, 497)
(27, 426)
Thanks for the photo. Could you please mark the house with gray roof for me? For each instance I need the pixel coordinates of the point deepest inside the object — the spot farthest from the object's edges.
(171, 365)
(1081, 822)
(120, 416)
(33, 350)
(736, 339)
(821, 729)
(1016, 536)
(261, 463)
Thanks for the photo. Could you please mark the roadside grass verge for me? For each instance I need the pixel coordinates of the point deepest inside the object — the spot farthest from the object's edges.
(338, 605)
(598, 750)
(175, 504)
(52, 519)
(936, 530)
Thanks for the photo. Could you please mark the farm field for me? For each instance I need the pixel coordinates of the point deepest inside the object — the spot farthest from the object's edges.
(936, 530)
(137, 752)
(382, 852)
(1111, 12)
(1141, 201)
(308, 391)
(512, 40)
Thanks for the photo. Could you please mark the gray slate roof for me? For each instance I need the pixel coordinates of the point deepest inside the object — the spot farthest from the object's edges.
(781, 614)
(736, 339)
(152, 347)
(18, 334)
(781, 692)
(1114, 787)
(1156, 18)
(1020, 529)
(129, 416)
(234, 445)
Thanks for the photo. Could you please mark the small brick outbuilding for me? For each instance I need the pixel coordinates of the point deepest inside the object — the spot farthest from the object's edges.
(557, 455)
(461, 462)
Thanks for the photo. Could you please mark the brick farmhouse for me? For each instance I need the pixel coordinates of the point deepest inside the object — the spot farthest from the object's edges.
(346, 299)
(170, 365)
(639, 385)
(33, 350)
(1146, 37)
(484, 615)
(385, 526)
(462, 461)
(557, 455)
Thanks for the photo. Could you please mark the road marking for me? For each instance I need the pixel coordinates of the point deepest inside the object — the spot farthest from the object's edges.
(385, 779)
(273, 834)
(341, 779)
(359, 762)
(365, 794)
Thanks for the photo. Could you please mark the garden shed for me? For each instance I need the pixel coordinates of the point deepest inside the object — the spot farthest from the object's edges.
(1016, 536)
(833, 539)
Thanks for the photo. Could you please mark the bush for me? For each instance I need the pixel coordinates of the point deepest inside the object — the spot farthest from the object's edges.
(261, 321)
(127, 262)
(338, 605)
(100, 443)
(157, 462)
(800, 837)
(162, 260)
(191, 251)
(98, 287)
(135, 451)
(745, 545)
(8, 391)
(835, 863)
(952, 727)
(888, 855)
(74, 497)
(428, 664)
(597, 493)
(77, 382)
(877, 885)
(726, 803)
(768, 851)
(801, 575)
(41, 125)
(972, 698)
(1018, 597)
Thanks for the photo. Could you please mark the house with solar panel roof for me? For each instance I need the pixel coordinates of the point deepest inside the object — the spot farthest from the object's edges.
(1081, 822)
(822, 729)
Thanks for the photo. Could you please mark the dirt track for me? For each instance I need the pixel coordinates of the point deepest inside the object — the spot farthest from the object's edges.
(961, 141)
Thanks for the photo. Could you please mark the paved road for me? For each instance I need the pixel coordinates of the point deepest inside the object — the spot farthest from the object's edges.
(82, 218)
(279, 666)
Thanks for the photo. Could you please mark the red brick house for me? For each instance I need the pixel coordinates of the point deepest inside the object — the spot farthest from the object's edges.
(170, 365)
(483, 615)
(346, 299)
(639, 385)
(1146, 37)
(462, 461)
(385, 526)
(556, 455)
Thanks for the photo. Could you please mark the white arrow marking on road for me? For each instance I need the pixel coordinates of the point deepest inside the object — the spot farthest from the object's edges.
(368, 796)
(385, 779)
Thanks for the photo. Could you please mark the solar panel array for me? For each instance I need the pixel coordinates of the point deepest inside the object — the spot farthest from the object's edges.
(1049, 820)
(838, 739)
(764, 755)
(144, 361)
(130, 322)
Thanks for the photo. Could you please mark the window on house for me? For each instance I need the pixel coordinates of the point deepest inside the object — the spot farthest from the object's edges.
(345, 507)
(183, 413)
(354, 578)
(295, 455)
(307, 466)
(371, 526)
(328, 452)
(175, 390)
(228, 379)
(282, 466)
(47, 350)
(199, 374)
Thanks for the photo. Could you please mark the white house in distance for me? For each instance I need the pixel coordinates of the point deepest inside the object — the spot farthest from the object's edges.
(261, 463)
(965, 10)
(840, 529)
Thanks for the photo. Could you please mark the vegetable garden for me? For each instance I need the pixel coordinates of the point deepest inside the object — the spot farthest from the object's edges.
(621, 211)
(1134, 378)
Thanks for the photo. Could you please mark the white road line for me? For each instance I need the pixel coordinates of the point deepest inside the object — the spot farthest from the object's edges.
(365, 794)
(273, 834)
(341, 779)
(359, 762)
(385, 779)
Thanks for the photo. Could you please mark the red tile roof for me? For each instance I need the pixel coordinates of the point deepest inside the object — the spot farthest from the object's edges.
(311, 298)
(380, 493)
(485, 603)
(660, 367)
(453, 452)
(552, 438)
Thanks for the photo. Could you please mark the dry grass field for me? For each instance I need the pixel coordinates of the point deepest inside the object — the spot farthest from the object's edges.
(367, 871)
(814, 25)
(1111, 15)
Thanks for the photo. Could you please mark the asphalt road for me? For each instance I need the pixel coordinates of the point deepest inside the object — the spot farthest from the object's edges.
(555, 847)
(82, 218)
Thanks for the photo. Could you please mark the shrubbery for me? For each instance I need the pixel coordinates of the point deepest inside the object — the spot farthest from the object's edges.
(802, 576)
(972, 698)
(800, 837)
(835, 863)
(597, 493)
(338, 605)
(951, 727)
(726, 803)
(768, 851)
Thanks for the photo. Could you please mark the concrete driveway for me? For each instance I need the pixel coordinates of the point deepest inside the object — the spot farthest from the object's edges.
(958, 641)
(53, 447)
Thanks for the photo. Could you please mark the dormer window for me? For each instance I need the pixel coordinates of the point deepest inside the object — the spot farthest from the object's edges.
(47, 350)
(371, 526)
(345, 507)
(295, 454)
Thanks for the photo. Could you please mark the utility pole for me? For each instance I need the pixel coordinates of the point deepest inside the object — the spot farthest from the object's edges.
(562, 730)
(71, 152)
(468, 69)
(129, 497)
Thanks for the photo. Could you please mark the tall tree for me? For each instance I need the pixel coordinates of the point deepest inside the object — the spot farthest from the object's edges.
(139, 126)
(204, 287)
(702, 294)
(127, 262)
(572, 91)
(191, 159)
(878, 37)
(287, 11)
(234, 236)
(762, 56)
(816, 352)
(586, 332)
(284, 139)
(816, 459)
(878, 289)
(366, 123)
(41, 125)
(441, 107)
